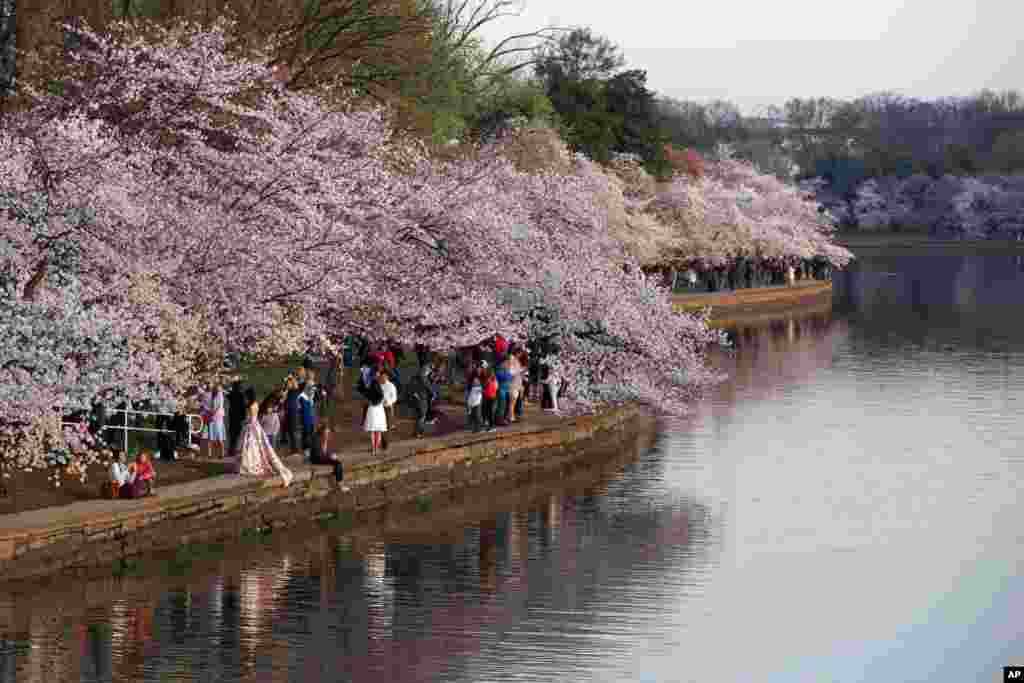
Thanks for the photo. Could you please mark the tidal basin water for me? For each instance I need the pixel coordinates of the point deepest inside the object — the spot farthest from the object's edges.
(845, 509)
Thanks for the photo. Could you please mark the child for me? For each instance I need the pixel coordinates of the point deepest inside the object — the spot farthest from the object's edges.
(141, 477)
(474, 398)
(270, 418)
(490, 391)
(118, 476)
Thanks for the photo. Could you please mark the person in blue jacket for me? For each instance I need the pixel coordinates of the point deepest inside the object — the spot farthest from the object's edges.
(307, 411)
(504, 377)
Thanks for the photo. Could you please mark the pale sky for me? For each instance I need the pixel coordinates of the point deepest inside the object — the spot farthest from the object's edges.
(756, 52)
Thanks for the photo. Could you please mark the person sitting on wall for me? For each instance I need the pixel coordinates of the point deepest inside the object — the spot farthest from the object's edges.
(319, 455)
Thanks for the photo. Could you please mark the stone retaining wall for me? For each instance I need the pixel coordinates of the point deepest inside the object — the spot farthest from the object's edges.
(98, 533)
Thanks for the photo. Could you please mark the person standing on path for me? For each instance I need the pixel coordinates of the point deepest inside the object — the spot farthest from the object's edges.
(504, 376)
(292, 425)
(307, 413)
(490, 389)
(236, 415)
(376, 421)
(270, 418)
(515, 385)
(390, 398)
(215, 423)
(474, 400)
(331, 379)
(417, 397)
(255, 456)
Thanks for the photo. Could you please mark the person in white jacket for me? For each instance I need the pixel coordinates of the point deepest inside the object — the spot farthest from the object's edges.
(390, 398)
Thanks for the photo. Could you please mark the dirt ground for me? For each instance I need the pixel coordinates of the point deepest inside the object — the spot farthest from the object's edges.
(34, 490)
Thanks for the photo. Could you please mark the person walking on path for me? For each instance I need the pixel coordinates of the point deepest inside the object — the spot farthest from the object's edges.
(255, 456)
(376, 420)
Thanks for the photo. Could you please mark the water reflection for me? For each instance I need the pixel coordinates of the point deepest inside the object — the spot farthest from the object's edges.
(854, 486)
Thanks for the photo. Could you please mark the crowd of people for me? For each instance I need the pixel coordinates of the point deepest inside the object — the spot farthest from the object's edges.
(499, 379)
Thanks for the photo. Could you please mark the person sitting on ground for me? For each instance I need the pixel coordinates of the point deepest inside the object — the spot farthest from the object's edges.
(319, 455)
(141, 477)
(118, 476)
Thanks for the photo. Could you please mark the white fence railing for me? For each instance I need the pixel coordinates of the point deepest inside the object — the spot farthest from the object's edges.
(126, 427)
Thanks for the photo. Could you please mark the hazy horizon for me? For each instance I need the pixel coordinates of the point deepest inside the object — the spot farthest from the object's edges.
(756, 54)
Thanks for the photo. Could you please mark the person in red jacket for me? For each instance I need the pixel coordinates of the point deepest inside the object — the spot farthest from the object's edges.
(490, 384)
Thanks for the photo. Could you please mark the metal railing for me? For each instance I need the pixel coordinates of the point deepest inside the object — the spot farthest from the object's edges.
(192, 420)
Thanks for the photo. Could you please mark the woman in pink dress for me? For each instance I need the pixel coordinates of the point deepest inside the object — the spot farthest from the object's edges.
(255, 455)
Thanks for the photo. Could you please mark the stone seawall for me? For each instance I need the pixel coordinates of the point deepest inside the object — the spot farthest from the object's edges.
(735, 307)
(99, 533)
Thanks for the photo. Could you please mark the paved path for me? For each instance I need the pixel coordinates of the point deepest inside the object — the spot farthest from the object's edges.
(102, 508)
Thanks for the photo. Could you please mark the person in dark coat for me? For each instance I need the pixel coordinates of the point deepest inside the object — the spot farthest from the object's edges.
(179, 423)
(292, 423)
(165, 440)
(417, 397)
(319, 455)
(236, 414)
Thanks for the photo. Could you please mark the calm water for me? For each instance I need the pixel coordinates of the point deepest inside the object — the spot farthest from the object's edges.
(845, 510)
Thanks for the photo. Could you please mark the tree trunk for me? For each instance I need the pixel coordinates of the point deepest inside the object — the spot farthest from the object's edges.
(8, 34)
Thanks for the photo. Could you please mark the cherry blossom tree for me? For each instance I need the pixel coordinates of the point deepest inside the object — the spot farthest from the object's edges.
(174, 198)
(735, 211)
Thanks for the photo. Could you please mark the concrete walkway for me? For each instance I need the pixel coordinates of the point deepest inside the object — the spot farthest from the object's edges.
(102, 509)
